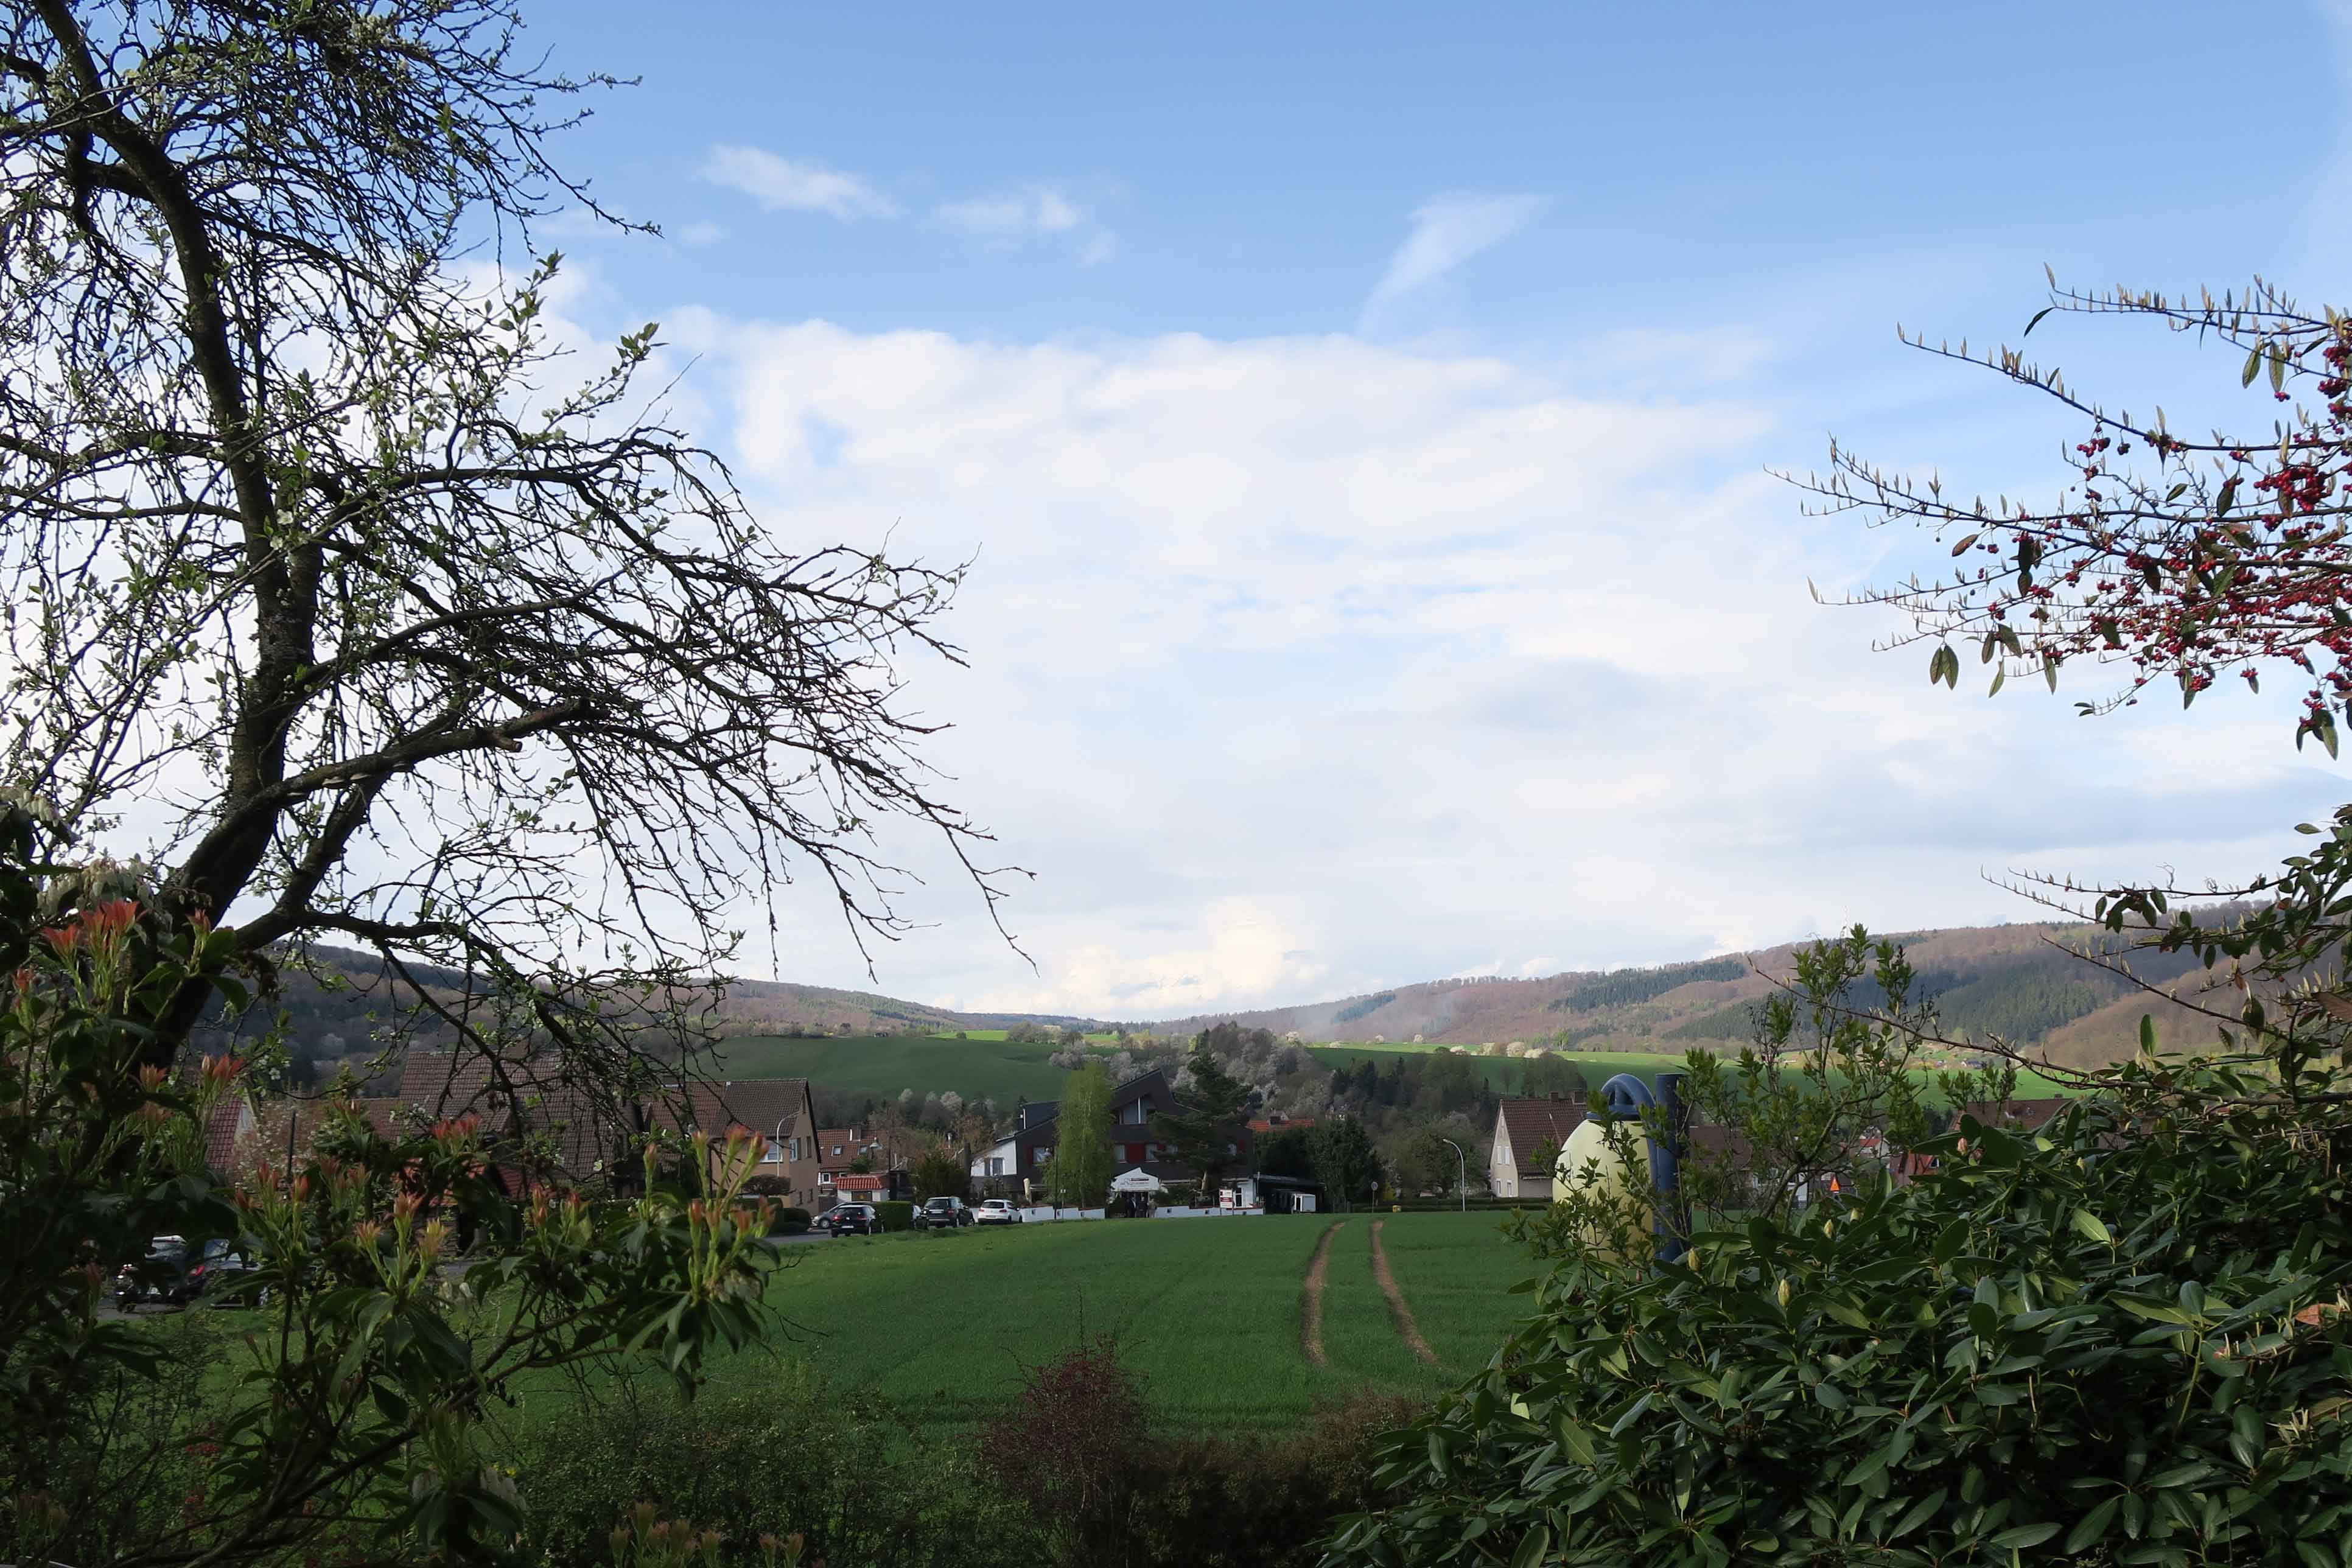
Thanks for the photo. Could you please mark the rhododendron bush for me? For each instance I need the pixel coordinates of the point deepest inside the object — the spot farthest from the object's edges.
(358, 1370)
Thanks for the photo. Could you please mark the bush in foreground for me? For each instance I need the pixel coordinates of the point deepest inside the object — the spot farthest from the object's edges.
(2127, 1339)
(840, 1471)
(1076, 1446)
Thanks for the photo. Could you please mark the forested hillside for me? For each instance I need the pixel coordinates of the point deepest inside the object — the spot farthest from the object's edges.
(2029, 984)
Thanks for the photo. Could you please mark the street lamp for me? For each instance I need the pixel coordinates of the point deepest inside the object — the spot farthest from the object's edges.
(1461, 1170)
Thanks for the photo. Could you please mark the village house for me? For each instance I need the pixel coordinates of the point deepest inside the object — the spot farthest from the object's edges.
(1529, 1134)
(1016, 1163)
(779, 1110)
(857, 1151)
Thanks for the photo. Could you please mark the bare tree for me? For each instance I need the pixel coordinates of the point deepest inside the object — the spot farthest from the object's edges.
(332, 572)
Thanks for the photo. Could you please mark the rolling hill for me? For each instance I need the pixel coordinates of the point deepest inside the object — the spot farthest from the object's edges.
(2019, 982)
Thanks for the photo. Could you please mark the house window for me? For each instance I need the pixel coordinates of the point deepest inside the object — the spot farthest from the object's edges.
(1040, 1155)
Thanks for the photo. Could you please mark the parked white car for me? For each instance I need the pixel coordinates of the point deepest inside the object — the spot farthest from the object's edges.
(996, 1210)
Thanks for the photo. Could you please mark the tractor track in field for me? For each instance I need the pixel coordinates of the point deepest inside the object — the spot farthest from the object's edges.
(1310, 1297)
(1401, 1313)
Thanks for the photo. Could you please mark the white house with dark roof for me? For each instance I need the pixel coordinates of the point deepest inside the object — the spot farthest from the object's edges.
(1527, 1134)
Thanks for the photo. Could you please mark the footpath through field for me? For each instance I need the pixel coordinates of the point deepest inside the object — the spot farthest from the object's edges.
(1210, 1311)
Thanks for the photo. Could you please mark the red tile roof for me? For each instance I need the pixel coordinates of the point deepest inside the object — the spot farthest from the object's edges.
(859, 1184)
(231, 1119)
(772, 1107)
(281, 1123)
(1531, 1124)
(529, 1097)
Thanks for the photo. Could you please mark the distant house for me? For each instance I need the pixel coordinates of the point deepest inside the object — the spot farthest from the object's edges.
(1263, 1125)
(779, 1110)
(1020, 1158)
(1529, 1134)
(840, 1148)
(883, 1186)
(535, 1118)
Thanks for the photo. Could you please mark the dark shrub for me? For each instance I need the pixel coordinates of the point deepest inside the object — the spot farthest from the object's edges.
(792, 1220)
(792, 1457)
(1261, 1502)
(1077, 1448)
(1069, 1447)
(895, 1215)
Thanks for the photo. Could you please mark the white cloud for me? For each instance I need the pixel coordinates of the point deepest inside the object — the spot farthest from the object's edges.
(1009, 218)
(1303, 666)
(784, 184)
(700, 234)
(1447, 231)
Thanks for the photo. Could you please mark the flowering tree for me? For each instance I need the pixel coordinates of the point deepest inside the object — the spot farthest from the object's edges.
(349, 1419)
(2172, 558)
(2186, 561)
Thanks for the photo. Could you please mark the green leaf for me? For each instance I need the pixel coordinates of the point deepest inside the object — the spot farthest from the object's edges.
(1918, 1513)
(2254, 366)
(1963, 546)
(2037, 320)
(2092, 1227)
(2018, 1536)
(2147, 1033)
(1534, 1547)
(2092, 1526)
(2180, 1474)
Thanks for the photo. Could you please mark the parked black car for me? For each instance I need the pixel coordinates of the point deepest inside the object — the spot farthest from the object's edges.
(174, 1273)
(856, 1219)
(942, 1213)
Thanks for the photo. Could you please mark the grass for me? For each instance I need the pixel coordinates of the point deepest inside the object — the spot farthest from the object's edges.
(987, 1065)
(884, 1064)
(1208, 1310)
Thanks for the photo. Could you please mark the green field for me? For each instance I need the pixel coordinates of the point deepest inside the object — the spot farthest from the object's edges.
(986, 1066)
(1208, 1310)
(885, 1064)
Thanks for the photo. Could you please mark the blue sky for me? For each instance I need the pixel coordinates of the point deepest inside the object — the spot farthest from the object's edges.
(1360, 415)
